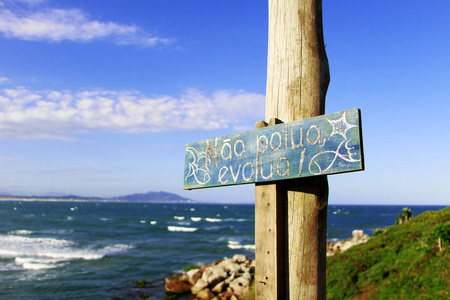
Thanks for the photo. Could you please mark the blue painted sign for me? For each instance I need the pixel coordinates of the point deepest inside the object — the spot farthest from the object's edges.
(322, 145)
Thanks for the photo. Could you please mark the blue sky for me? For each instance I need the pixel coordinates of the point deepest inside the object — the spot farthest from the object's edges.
(99, 98)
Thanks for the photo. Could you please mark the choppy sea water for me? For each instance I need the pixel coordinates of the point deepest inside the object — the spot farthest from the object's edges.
(98, 250)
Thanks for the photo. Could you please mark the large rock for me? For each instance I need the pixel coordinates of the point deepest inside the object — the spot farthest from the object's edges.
(193, 275)
(199, 285)
(177, 286)
(358, 237)
(226, 294)
(240, 286)
(214, 274)
(205, 294)
(220, 287)
(239, 258)
(224, 279)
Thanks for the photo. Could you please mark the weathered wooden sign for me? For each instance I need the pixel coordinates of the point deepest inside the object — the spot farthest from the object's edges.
(323, 145)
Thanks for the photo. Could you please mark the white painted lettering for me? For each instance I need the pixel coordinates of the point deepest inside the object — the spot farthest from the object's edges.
(280, 141)
(317, 137)
(243, 171)
(236, 146)
(260, 142)
(287, 171)
(221, 175)
(300, 144)
(270, 173)
(235, 176)
(226, 144)
(302, 158)
(286, 135)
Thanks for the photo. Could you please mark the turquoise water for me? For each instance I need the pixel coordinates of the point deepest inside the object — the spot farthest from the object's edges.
(85, 250)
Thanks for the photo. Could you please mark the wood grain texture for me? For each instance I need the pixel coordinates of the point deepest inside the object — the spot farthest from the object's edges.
(270, 241)
(297, 81)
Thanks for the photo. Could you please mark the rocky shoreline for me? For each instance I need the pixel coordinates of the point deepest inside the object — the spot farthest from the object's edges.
(224, 279)
(233, 278)
(358, 237)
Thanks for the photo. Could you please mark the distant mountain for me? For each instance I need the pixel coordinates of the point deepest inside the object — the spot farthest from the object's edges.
(55, 194)
(154, 197)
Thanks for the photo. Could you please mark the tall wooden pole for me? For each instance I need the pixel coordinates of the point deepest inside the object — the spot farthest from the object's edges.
(291, 216)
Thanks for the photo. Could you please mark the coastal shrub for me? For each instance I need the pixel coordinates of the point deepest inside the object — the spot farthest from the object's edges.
(442, 234)
(377, 231)
(404, 216)
(407, 214)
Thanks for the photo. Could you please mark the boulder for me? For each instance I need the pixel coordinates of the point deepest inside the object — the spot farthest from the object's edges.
(176, 286)
(214, 274)
(357, 235)
(227, 294)
(220, 287)
(224, 279)
(338, 246)
(239, 258)
(240, 286)
(193, 275)
(199, 285)
(205, 294)
(231, 268)
(247, 276)
(347, 245)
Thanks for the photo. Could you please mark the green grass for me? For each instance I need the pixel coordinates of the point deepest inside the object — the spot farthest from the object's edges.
(402, 263)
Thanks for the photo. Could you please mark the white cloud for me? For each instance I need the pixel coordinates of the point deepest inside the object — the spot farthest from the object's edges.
(71, 25)
(58, 114)
(28, 2)
(4, 80)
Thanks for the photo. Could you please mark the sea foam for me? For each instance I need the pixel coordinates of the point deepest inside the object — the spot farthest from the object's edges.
(45, 253)
(213, 220)
(236, 245)
(182, 229)
(21, 232)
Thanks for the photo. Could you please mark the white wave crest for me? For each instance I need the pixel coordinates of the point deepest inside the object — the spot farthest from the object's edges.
(46, 253)
(21, 232)
(183, 229)
(179, 218)
(247, 247)
(196, 219)
(36, 263)
(213, 220)
(236, 245)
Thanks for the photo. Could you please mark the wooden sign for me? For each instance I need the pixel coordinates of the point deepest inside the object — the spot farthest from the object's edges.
(322, 145)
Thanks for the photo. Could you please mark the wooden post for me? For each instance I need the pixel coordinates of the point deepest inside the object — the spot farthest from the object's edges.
(290, 217)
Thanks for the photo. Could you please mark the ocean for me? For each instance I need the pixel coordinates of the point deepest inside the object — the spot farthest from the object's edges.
(98, 250)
